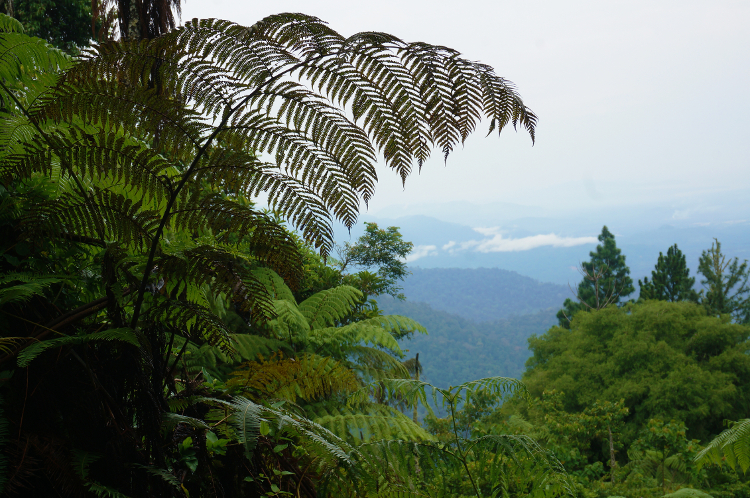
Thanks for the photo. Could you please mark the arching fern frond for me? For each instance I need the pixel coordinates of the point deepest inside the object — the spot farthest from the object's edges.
(325, 308)
(233, 223)
(29, 353)
(274, 284)
(732, 446)
(247, 419)
(28, 66)
(220, 364)
(30, 285)
(100, 215)
(340, 338)
(375, 364)
(367, 423)
(193, 320)
(307, 376)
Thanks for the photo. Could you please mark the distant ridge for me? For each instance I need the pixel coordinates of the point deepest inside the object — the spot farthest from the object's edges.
(458, 350)
(482, 294)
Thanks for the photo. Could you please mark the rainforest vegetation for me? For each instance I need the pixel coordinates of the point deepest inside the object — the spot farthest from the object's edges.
(164, 335)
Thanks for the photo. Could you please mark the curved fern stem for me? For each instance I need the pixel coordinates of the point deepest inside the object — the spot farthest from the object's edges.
(228, 113)
(461, 453)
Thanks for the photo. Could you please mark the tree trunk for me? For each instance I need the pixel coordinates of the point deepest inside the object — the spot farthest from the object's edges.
(612, 460)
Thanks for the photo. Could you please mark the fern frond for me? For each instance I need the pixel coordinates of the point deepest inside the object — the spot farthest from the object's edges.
(353, 334)
(492, 386)
(101, 214)
(219, 363)
(325, 308)
(409, 391)
(368, 422)
(241, 171)
(232, 222)
(307, 376)
(289, 322)
(375, 364)
(28, 65)
(193, 320)
(171, 420)
(29, 353)
(190, 270)
(248, 417)
(732, 445)
(80, 463)
(274, 284)
(32, 285)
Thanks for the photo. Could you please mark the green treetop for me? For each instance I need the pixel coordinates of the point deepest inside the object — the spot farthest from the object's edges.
(726, 281)
(667, 360)
(65, 24)
(670, 280)
(606, 280)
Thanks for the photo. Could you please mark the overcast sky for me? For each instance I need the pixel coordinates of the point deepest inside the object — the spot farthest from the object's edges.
(639, 101)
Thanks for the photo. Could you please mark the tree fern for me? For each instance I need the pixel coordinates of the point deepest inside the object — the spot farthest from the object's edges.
(151, 150)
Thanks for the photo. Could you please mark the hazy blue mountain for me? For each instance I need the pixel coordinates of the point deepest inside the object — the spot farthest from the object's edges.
(457, 350)
(482, 294)
(640, 242)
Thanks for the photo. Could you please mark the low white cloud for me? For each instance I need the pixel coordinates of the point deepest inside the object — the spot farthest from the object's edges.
(420, 252)
(487, 231)
(450, 245)
(498, 243)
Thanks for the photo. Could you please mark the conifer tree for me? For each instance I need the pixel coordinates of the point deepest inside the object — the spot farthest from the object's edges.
(670, 280)
(726, 281)
(606, 280)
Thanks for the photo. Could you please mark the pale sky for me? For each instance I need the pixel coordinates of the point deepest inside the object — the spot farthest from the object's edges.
(638, 101)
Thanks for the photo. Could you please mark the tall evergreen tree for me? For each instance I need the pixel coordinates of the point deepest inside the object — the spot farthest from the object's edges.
(726, 282)
(670, 280)
(606, 280)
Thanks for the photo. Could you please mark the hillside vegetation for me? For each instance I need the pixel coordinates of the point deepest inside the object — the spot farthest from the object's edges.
(457, 350)
(482, 294)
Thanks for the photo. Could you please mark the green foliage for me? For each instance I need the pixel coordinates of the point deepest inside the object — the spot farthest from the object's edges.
(129, 176)
(606, 280)
(726, 282)
(66, 24)
(126, 335)
(383, 249)
(688, 493)
(474, 465)
(666, 360)
(458, 349)
(670, 280)
(731, 446)
(663, 452)
(482, 294)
